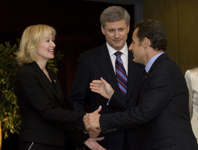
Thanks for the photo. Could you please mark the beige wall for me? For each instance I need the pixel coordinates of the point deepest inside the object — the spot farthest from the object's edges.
(180, 18)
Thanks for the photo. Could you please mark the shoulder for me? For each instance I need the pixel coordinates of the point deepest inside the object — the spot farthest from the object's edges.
(191, 72)
(94, 51)
(168, 71)
(27, 68)
(166, 63)
(194, 70)
(26, 74)
(166, 67)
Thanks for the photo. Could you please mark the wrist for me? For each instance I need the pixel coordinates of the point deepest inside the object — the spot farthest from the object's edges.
(110, 95)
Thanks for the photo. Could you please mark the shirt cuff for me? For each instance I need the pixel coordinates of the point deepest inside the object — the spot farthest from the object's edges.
(109, 100)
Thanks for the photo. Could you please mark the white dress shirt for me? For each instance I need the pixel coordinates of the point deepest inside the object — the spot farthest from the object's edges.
(124, 56)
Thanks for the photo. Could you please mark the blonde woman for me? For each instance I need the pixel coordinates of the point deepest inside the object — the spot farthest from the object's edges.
(40, 96)
(191, 77)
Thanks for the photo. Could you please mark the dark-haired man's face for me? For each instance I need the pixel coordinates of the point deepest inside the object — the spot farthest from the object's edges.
(116, 33)
(137, 48)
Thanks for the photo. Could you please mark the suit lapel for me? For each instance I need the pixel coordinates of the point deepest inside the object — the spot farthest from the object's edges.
(45, 80)
(57, 88)
(106, 65)
(131, 74)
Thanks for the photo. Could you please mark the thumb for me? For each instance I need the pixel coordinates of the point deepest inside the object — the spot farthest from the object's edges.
(100, 138)
(98, 110)
(103, 80)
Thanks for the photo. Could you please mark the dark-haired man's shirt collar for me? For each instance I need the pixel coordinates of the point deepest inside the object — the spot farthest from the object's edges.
(151, 61)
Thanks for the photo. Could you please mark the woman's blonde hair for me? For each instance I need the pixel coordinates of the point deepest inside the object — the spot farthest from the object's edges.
(30, 41)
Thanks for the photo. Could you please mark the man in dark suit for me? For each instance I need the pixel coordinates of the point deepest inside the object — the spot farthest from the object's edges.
(162, 110)
(101, 62)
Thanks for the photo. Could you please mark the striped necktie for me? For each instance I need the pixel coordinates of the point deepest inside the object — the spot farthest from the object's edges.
(121, 73)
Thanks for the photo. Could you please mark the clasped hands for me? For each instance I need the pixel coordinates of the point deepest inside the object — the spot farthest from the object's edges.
(91, 120)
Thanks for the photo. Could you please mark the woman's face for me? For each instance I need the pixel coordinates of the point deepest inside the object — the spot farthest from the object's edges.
(46, 48)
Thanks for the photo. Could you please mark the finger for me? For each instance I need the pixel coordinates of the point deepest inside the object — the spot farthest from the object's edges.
(100, 138)
(103, 80)
(86, 122)
(98, 110)
(101, 148)
(96, 82)
(95, 91)
(94, 87)
(86, 117)
(87, 126)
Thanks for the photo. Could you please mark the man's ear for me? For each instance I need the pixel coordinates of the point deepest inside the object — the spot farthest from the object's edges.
(102, 29)
(128, 28)
(146, 42)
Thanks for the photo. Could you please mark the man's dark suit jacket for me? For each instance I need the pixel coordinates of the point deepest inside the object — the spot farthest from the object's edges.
(162, 110)
(93, 65)
(40, 103)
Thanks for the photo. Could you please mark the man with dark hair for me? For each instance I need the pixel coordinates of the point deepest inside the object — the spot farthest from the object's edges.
(104, 61)
(162, 111)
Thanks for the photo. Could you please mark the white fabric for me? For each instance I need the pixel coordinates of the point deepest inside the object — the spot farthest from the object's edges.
(124, 56)
(191, 77)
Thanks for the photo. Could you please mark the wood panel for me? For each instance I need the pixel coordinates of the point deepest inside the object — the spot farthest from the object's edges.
(166, 12)
(188, 31)
(181, 21)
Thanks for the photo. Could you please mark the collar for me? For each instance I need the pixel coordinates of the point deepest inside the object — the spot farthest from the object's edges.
(111, 50)
(151, 61)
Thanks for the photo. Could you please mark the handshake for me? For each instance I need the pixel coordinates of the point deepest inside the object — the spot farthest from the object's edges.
(91, 120)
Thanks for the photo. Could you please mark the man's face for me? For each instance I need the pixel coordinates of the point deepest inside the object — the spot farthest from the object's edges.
(137, 49)
(116, 33)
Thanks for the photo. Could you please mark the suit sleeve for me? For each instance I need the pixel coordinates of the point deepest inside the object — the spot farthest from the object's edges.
(119, 104)
(29, 91)
(159, 91)
(188, 81)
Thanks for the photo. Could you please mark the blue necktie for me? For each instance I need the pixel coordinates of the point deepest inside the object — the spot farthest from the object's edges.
(121, 74)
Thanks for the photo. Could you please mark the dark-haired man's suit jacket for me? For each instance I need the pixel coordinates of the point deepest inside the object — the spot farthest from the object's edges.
(40, 103)
(92, 65)
(162, 110)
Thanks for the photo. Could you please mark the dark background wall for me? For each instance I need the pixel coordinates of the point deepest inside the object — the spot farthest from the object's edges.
(78, 29)
(77, 24)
